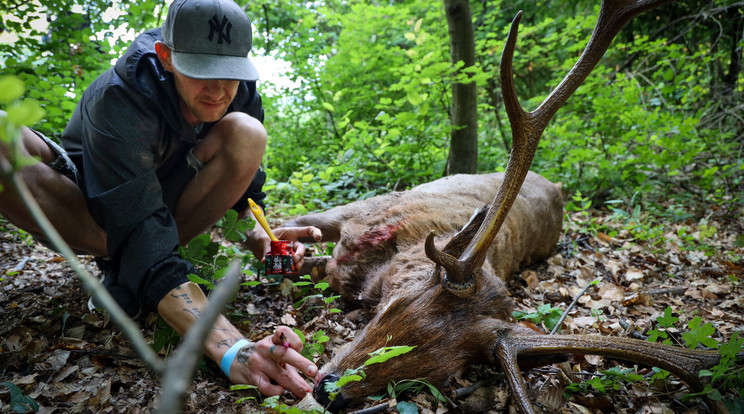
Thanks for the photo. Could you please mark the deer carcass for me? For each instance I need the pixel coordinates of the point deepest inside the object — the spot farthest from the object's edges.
(449, 302)
(379, 240)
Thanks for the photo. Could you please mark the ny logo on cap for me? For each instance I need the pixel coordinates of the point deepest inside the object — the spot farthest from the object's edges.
(222, 29)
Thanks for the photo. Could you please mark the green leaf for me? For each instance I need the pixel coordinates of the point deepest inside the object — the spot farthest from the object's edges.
(347, 379)
(11, 89)
(200, 281)
(28, 112)
(667, 320)
(18, 402)
(405, 407)
(385, 353)
(699, 334)
(414, 98)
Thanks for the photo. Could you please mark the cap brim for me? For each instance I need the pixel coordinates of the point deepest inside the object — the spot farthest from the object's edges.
(203, 66)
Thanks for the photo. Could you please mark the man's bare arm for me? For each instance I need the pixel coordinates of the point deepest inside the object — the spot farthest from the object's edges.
(267, 364)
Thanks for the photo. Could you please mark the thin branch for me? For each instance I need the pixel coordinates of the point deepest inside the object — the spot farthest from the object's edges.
(181, 366)
(568, 309)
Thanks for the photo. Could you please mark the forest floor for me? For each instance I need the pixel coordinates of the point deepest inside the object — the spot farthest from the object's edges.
(71, 360)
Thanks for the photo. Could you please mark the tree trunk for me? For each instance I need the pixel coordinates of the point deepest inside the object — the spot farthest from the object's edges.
(463, 156)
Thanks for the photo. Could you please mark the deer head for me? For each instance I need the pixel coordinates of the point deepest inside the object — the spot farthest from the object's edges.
(455, 310)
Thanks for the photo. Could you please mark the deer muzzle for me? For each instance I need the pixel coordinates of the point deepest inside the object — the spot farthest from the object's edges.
(323, 397)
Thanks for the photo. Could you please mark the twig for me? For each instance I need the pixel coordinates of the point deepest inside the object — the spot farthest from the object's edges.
(674, 290)
(181, 366)
(372, 410)
(22, 264)
(568, 309)
(466, 391)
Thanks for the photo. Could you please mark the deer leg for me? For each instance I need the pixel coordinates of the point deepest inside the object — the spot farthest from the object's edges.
(683, 362)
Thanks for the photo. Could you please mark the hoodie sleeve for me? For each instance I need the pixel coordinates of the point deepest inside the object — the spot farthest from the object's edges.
(119, 133)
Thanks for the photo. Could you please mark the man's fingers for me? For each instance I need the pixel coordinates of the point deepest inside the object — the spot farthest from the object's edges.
(295, 233)
(289, 379)
(285, 349)
(267, 388)
(291, 357)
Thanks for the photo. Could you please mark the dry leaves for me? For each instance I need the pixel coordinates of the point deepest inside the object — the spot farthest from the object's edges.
(72, 360)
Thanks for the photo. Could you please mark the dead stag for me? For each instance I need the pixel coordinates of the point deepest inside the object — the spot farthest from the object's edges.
(451, 303)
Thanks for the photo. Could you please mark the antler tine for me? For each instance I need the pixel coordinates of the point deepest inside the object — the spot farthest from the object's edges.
(683, 362)
(527, 127)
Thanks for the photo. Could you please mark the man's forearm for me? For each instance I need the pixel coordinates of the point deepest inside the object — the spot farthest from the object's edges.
(182, 306)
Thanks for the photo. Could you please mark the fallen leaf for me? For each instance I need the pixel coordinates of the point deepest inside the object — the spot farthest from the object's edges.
(633, 274)
(612, 292)
(288, 319)
(530, 277)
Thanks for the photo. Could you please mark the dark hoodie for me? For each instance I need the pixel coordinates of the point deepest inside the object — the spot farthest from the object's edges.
(129, 140)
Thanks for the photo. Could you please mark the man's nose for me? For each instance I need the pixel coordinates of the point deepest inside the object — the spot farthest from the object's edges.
(214, 87)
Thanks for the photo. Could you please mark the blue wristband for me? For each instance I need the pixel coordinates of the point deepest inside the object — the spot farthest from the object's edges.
(229, 356)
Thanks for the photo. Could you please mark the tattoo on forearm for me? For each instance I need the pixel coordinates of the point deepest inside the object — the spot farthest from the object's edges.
(193, 311)
(245, 353)
(185, 296)
(227, 343)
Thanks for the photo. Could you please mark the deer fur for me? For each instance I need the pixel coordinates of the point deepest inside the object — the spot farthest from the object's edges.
(379, 263)
(384, 235)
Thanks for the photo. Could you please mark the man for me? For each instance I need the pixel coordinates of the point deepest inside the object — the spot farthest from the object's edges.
(158, 149)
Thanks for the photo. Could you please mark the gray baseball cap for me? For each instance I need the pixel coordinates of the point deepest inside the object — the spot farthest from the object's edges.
(209, 39)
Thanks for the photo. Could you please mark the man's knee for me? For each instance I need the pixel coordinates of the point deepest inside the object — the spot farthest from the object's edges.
(241, 132)
(238, 140)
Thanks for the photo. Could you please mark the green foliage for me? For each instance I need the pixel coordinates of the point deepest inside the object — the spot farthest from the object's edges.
(728, 374)
(273, 404)
(19, 112)
(611, 379)
(357, 374)
(395, 389)
(18, 402)
(244, 387)
(664, 322)
(308, 286)
(582, 222)
(59, 47)
(545, 314)
(699, 334)
(314, 348)
(649, 123)
(212, 258)
(164, 337)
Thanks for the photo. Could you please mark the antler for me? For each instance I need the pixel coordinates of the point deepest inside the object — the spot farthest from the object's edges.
(686, 363)
(527, 127)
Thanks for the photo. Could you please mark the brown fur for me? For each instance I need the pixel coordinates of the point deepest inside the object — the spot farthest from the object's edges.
(379, 261)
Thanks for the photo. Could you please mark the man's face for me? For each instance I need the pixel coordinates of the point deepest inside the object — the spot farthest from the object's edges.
(204, 100)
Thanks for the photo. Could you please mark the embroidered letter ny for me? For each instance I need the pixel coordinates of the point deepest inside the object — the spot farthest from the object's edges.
(222, 29)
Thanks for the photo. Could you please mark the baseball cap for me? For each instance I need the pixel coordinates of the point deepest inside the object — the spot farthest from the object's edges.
(209, 39)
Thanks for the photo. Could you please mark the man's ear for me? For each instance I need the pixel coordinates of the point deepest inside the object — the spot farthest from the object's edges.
(164, 55)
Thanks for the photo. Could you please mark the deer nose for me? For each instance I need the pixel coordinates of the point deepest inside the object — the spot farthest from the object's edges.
(322, 396)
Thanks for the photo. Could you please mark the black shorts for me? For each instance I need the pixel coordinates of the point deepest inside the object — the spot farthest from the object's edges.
(62, 163)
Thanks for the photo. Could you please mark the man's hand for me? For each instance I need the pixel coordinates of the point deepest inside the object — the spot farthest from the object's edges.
(272, 363)
(267, 364)
(259, 242)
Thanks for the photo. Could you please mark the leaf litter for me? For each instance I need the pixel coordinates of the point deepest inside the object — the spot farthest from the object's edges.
(71, 360)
